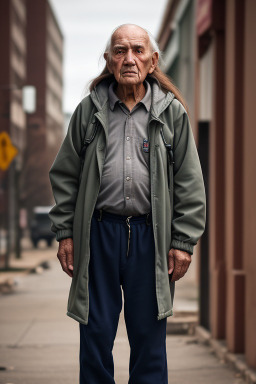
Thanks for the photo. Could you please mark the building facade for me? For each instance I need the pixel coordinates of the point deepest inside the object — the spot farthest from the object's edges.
(31, 45)
(223, 83)
(45, 126)
(13, 76)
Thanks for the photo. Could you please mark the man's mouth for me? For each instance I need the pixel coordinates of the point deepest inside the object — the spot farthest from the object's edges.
(129, 72)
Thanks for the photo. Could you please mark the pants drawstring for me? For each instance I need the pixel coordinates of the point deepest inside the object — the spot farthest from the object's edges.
(100, 214)
(129, 233)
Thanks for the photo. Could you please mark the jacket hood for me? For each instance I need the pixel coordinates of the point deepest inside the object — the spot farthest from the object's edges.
(160, 99)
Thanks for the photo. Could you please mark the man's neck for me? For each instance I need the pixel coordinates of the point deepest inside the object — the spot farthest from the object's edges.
(130, 96)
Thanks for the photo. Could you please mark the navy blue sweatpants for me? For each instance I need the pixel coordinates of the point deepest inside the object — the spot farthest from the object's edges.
(111, 268)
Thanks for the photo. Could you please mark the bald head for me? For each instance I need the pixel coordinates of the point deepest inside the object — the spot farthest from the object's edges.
(133, 27)
(131, 30)
(130, 55)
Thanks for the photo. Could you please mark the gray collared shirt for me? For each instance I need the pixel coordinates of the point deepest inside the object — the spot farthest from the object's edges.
(125, 183)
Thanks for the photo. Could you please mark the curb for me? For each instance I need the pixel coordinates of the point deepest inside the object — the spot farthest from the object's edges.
(9, 283)
(182, 323)
(235, 361)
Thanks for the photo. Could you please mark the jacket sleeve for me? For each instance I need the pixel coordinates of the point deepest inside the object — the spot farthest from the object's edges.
(64, 177)
(189, 201)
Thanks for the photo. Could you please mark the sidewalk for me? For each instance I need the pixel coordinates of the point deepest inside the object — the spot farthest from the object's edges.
(33, 259)
(39, 344)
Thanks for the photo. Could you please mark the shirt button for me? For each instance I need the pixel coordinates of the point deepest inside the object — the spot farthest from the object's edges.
(128, 178)
(128, 138)
(128, 158)
(129, 116)
(127, 198)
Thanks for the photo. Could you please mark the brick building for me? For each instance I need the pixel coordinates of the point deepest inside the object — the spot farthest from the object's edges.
(45, 126)
(208, 46)
(31, 45)
(13, 75)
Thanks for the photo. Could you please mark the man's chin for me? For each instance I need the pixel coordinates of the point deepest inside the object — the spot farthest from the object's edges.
(130, 81)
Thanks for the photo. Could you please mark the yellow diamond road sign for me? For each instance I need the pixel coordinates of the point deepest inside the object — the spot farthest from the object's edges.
(7, 151)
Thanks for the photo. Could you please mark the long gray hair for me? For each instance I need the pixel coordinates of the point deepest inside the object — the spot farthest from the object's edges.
(163, 80)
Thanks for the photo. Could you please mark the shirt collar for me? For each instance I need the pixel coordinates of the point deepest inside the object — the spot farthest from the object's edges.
(113, 99)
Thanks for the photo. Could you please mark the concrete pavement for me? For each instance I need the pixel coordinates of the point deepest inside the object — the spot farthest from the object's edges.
(39, 344)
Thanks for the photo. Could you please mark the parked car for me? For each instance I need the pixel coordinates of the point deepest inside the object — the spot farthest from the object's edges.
(40, 228)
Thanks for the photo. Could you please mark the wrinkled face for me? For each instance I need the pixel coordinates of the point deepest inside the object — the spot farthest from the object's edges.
(131, 57)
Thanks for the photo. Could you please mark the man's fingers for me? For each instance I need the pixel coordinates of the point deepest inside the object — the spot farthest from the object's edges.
(181, 261)
(177, 274)
(181, 272)
(63, 261)
(170, 262)
(185, 266)
(66, 255)
(70, 262)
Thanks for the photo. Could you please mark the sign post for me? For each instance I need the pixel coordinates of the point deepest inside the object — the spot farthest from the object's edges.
(7, 153)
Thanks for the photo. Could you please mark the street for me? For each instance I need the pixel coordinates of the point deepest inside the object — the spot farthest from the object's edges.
(39, 344)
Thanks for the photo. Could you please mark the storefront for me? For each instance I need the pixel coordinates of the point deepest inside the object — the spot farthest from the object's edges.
(223, 54)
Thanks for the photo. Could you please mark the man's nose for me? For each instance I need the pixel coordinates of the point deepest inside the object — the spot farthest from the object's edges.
(129, 58)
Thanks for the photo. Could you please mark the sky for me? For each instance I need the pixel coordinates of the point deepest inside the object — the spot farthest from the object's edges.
(86, 26)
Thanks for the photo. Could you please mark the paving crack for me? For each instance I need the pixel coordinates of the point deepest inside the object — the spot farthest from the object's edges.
(16, 345)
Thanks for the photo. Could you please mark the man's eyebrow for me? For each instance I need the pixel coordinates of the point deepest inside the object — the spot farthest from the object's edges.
(138, 46)
(119, 46)
(124, 46)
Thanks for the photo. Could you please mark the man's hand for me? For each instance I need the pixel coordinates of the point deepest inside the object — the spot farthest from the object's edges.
(178, 262)
(66, 255)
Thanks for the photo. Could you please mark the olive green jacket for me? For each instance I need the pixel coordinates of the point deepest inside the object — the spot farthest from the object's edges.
(177, 191)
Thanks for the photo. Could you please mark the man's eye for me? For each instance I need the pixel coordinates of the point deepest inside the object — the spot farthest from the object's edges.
(119, 51)
(139, 50)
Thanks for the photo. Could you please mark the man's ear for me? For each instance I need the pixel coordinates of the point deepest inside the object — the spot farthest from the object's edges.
(154, 62)
(106, 57)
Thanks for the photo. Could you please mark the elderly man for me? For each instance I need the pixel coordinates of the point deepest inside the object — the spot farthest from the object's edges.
(130, 207)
